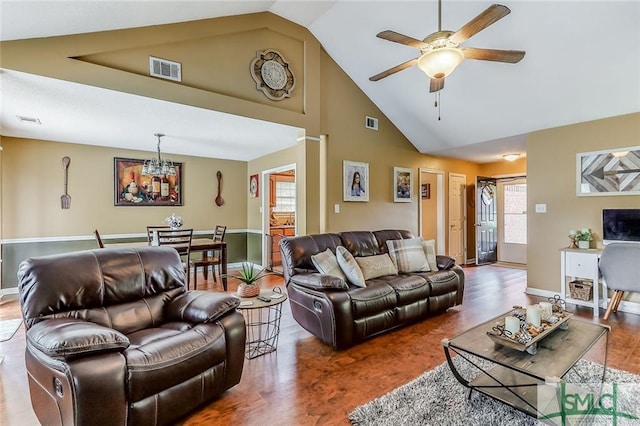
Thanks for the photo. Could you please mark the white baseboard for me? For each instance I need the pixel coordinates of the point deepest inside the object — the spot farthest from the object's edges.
(5, 291)
(628, 307)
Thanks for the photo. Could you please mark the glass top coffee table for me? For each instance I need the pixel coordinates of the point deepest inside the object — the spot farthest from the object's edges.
(515, 375)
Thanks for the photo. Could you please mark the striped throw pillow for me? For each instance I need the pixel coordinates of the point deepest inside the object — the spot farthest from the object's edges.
(408, 255)
(326, 263)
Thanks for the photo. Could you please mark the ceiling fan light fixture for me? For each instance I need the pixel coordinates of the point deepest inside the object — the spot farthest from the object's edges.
(440, 62)
(511, 157)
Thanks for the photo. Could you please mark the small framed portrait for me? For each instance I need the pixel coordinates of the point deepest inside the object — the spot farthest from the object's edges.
(253, 186)
(425, 191)
(402, 184)
(355, 181)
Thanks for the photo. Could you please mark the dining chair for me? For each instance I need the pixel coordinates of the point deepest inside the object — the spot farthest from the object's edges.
(151, 229)
(620, 271)
(180, 239)
(206, 261)
(98, 239)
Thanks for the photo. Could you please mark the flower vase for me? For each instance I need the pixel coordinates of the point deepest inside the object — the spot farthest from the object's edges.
(248, 290)
(583, 244)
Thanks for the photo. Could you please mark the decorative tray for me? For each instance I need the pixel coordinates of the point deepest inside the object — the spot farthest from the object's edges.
(528, 336)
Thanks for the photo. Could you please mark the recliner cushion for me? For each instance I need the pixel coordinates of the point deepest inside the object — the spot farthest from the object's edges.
(160, 358)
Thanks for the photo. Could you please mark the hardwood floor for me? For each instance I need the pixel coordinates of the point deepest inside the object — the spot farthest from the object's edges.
(307, 383)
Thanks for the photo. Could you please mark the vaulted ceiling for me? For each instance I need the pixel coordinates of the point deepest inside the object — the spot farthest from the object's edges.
(582, 63)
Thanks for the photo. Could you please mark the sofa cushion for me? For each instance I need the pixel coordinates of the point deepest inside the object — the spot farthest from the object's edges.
(429, 247)
(349, 267)
(326, 263)
(408, 288)
(376, 266)
(408, 255)
(375, 299)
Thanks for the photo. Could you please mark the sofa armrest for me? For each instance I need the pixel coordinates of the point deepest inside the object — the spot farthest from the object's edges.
(445, 262)
(315, 281)
(70, 337)
(200, 306)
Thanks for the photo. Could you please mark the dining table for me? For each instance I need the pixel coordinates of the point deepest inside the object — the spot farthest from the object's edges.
(203, 245)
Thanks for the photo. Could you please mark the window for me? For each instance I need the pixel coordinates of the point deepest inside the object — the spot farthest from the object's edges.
(515, 213)
(285, 197)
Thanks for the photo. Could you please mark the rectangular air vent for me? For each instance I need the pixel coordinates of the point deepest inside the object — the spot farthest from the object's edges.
(31, 120)
(163, 68)
(371, 123)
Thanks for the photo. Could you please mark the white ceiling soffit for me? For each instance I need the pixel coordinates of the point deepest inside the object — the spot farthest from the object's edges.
(89, 115)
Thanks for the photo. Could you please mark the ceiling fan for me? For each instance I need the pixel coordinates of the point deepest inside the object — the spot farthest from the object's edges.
(441, 52)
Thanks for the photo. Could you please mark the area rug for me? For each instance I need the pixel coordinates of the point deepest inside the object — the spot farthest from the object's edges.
(8, 328)
(437, 398)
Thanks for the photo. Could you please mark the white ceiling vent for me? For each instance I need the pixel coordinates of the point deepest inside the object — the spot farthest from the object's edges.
(163, 68)
(371, 123)
(32, 120)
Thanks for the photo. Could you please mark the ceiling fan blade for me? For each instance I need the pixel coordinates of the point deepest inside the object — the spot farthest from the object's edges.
(510, 56)
(394, 70)
(480, 22)
(436, 84)
(402, 39)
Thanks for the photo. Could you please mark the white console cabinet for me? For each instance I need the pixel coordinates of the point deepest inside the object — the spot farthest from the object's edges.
(582, 263)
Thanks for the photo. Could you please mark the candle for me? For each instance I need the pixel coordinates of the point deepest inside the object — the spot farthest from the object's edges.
(512, 325)
(534, 315)
(547, 310)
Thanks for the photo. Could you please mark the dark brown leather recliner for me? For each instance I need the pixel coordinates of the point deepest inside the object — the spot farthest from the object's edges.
(114, 338)
(341, 314)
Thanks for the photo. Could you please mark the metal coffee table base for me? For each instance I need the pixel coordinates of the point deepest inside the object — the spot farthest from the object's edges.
(514, 377)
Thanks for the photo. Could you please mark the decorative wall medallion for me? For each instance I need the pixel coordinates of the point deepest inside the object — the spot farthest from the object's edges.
(272, 75)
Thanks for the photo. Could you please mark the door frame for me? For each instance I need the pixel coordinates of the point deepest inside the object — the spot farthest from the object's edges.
(440, 206)
(266, 193)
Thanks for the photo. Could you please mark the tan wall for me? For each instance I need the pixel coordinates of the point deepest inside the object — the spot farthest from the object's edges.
(551, 179)
(32, 183)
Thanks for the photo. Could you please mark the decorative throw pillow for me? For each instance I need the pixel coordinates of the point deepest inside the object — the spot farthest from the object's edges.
(349, 267)
(429, 247)
(376, 266)
(326, 263)
(408, 255)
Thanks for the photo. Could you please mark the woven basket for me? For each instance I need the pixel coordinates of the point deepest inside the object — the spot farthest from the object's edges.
(248, 290)
(581, 289)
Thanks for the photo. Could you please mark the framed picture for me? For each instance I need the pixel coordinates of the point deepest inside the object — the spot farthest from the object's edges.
(253, 186)
(355, 181)
(131, 188)
(610, 172)
(402, 184)
(425, 191)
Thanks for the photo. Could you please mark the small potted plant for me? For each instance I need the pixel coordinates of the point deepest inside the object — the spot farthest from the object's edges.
(584, 238)
(249, 276)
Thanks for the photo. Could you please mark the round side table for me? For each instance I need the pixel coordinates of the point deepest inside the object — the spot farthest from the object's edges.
(262, 321)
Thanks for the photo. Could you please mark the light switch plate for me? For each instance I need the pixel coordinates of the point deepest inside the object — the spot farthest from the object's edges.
(336, 208)
(541, 208)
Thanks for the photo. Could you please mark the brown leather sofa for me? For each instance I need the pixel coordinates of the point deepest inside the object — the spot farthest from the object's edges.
(114, 338)
(341, 314)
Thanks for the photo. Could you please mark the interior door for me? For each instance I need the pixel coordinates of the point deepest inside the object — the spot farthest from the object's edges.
(512, 214)
(486, 220)
(457, 187)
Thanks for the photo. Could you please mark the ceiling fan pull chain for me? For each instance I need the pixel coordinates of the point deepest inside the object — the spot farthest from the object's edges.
(439, 103)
